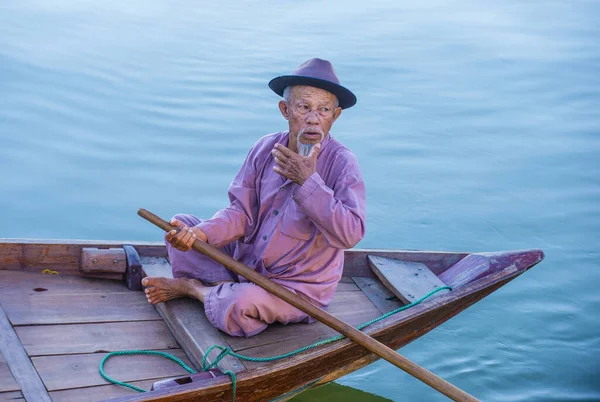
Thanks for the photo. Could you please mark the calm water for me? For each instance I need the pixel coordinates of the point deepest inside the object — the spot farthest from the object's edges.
(477, 129)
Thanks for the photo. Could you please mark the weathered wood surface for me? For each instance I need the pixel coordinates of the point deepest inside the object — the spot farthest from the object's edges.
(351, 307)
(156, 267)
(345, 279)
(19, 364)
(380, 296)
(63, 256)
(356, 263)
(40, 340)
(110, 260)
(187, 321)
(64, 353)
(43, 308)
(76, 371)
(11, 396)
(310, 333)
(7, 381)
(100, 392)
(193, 331)
(409, 281)
(347, 287)
(475, 266)
(19, 284)
(30, 298)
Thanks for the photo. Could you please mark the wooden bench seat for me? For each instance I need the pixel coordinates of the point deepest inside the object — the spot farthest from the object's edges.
(409, 281)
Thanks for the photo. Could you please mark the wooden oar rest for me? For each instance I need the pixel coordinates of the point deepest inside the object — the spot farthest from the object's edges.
(408, 280)
(113, 263)
(103, 261)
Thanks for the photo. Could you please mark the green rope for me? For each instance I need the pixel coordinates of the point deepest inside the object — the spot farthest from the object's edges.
(156, 353)
(138, 352)
(227, 351)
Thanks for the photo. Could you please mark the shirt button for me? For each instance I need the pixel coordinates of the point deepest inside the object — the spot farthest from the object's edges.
(264, 237)
(276, 212)
(283, 187)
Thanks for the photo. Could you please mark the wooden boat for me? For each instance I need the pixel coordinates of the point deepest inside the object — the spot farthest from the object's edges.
(65, 304)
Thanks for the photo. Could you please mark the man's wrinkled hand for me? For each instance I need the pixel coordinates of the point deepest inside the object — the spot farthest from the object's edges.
(295, 167)
(184, 238)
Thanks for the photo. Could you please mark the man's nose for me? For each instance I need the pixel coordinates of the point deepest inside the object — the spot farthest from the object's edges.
(312, 117)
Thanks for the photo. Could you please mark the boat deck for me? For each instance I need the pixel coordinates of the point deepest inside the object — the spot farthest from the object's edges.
(67, 324)
(56, 327)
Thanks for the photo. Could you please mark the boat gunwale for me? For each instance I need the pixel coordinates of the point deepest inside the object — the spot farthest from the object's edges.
(31, 254)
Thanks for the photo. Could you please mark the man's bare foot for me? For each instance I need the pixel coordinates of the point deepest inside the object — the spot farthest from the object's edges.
(159, 290)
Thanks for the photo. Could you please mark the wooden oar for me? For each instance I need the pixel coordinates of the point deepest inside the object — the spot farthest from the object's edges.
(359, 337)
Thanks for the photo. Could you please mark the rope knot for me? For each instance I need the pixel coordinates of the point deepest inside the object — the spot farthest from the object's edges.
(224, 352)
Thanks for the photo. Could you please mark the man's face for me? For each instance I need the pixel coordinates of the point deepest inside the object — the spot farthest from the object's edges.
(310, 114)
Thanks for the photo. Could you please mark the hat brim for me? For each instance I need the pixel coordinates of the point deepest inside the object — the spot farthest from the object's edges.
(345, 97)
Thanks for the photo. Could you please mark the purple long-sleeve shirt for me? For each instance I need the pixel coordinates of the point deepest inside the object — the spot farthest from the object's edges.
(294, 234)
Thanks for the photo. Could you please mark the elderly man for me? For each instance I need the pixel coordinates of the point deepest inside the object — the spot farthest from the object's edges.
(297, 202)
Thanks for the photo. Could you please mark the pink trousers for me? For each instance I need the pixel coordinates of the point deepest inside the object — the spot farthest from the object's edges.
(236, 308)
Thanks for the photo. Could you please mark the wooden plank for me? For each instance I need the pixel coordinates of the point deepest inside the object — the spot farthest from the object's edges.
(76, 371)
(379, 295)
(156, 267)
(468, 269)
(100, 393)
(11, 396)
(40, 340)
(20, 366)
(408, 280)
(10, 256)
(7, 382)
(188, 322)
(103, 260)
(352, 307)
(20, 284)
(43, 308)
(193, 331)
(347, 287)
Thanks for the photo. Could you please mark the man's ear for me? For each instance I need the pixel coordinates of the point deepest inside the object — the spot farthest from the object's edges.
(337, 113)
(284, 109)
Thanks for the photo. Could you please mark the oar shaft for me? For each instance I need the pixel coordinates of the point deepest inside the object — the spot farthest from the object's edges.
(357, 336)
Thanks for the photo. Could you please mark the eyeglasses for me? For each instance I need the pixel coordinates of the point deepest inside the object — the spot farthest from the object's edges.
(304, 109)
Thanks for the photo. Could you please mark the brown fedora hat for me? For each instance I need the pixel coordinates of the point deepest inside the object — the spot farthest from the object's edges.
(315, 73)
